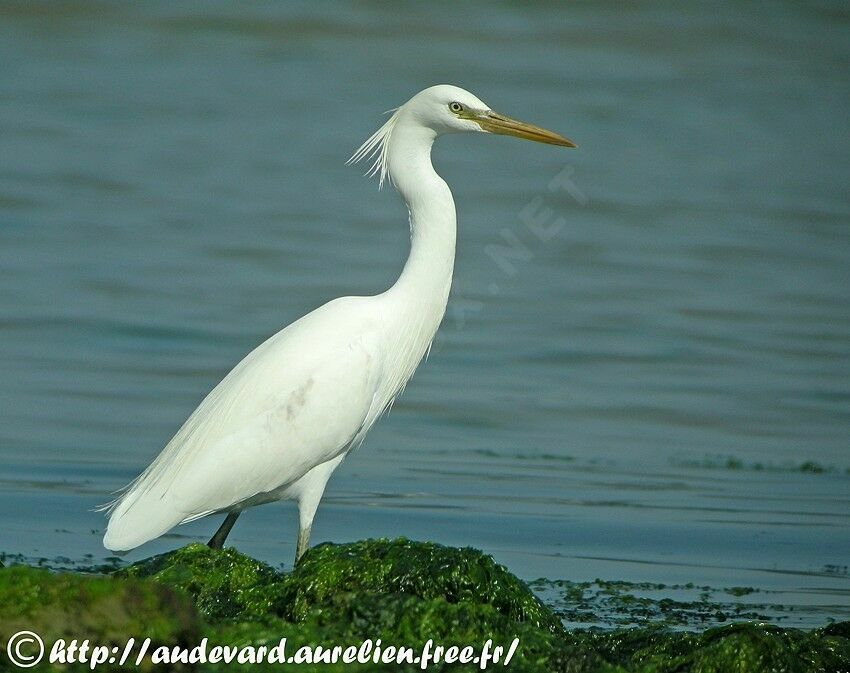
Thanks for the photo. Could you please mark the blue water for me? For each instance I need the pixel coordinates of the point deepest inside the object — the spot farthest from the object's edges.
(631, 396)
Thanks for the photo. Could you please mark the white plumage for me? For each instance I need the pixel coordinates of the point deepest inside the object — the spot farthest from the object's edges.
(279, 424)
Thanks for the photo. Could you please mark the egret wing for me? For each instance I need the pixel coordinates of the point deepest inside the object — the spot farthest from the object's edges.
(294, 402)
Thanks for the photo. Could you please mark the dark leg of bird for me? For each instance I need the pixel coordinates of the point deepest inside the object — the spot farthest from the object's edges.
(303, 543)
(217, 540)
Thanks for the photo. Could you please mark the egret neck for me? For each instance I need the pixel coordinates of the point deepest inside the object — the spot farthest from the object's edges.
(422, 290)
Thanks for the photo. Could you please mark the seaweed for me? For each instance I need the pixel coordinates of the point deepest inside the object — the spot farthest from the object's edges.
(395, 593)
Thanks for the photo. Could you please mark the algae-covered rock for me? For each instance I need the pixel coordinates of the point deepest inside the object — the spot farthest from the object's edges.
(223, 584)
(405, 593)
(411, 621)
(762, 647)
(420, 569)
(398, 592)
(103, 609)
(228, 585)
(742, 648)
(408, 621)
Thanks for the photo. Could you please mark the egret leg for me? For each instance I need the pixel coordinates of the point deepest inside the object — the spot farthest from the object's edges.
(303, 543)
(217, 540)
(308, 491)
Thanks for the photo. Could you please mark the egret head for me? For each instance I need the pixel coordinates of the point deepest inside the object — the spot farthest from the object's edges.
(450, 109)
(445, 109)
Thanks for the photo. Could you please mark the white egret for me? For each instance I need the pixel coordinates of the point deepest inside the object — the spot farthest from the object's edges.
(279, 424)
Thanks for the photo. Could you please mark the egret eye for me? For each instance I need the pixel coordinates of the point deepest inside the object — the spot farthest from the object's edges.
(455, 107)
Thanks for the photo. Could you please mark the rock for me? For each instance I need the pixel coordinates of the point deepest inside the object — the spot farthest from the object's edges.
(223, 584)
(103, 609)
(401, 592)
(419, 569)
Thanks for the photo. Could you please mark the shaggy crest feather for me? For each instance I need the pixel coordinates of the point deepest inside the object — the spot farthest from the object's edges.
(375, 149)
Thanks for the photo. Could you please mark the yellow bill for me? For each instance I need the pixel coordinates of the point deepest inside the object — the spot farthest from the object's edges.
(496, 123)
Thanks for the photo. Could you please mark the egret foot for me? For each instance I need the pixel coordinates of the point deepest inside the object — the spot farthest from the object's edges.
(303, 543)
(217, 540)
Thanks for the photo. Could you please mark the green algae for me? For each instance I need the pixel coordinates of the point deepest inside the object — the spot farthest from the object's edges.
(424, 570)
(400, 591)
(742, 648)
(229, 585)
(106, 610)
(102, 606)
(408, 621)
(613, 604)
(403, 593)
(736, 464)
(223, 584)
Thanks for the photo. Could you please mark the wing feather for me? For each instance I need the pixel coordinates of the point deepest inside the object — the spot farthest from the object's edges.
(296, 401)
